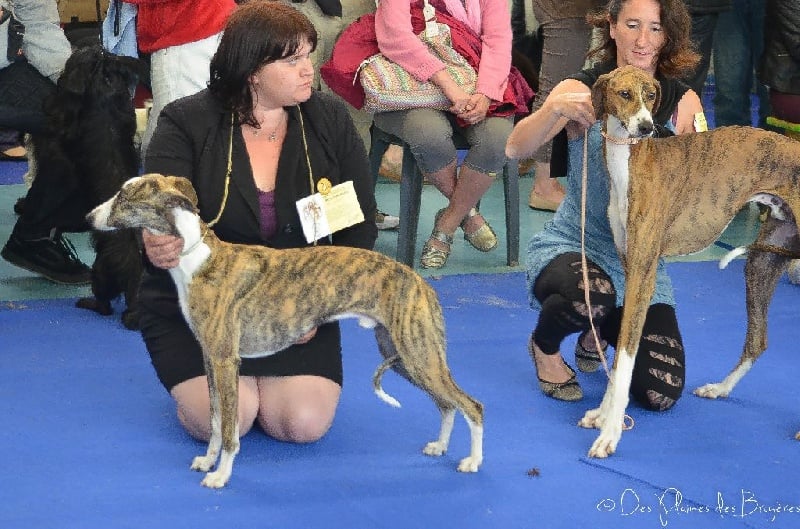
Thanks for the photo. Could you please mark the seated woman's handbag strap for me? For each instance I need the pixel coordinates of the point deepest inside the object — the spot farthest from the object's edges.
(16, 30)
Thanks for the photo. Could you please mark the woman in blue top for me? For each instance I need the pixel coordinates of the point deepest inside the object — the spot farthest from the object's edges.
(652, 35)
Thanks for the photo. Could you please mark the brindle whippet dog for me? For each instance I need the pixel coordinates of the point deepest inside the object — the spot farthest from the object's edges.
(252, 301)
(675, 196)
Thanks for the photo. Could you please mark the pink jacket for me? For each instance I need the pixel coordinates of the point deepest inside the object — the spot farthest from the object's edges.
(398, 42)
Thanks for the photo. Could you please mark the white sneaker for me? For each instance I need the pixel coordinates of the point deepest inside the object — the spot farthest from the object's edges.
(385, 221)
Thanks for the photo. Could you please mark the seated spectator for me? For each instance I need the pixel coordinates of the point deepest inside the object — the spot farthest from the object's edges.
(33, 52)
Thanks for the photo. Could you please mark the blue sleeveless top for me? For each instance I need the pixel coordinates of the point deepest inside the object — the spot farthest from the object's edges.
(563, 232)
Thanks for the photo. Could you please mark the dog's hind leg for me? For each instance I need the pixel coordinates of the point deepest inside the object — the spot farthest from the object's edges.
(422, 362)
(762, 271)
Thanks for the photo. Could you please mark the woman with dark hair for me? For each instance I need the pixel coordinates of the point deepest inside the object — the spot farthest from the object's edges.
(652, 35)
(260, 123)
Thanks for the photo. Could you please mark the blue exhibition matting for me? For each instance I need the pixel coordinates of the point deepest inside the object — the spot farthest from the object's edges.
(91, 440)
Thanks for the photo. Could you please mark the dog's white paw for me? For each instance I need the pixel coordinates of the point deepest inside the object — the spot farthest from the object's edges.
(470, 464)
(797, 436)
(592, 419)
(711, 391)
(606, 443)
(203, 463)
(434, 448)
(216, 480)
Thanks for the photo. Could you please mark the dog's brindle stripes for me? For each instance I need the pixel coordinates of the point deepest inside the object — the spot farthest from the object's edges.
(251, 301)
(675, 196)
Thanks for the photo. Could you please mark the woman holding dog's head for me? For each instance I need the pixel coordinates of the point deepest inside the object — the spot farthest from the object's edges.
(282, 142)
(652, 35)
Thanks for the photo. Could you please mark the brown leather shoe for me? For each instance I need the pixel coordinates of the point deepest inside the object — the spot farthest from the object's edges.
(540, 203)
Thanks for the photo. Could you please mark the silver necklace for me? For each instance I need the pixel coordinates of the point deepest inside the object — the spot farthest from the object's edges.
(272, 135)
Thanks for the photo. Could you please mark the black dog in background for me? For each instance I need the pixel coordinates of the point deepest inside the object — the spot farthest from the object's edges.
(89, 146)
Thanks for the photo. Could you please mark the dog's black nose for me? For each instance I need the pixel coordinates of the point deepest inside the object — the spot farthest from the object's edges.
(645, 128)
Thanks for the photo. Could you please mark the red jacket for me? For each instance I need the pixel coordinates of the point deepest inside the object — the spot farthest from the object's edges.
(164, 23)
(357, 42)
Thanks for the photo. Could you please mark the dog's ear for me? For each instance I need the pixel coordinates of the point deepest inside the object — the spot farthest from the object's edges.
(78, 72)
(185, 187)
(657, 102)
(599, 95)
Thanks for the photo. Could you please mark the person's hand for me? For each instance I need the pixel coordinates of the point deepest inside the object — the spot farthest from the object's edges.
(459, 99)
(162, 250)
(576, 107)
(307, 336)
(474, 111)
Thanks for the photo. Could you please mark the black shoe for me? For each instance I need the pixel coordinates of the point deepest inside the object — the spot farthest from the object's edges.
(52, 257)
(19, 206)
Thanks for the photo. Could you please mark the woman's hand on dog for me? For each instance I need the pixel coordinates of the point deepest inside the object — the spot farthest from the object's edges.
(163, 251)
(573, 106)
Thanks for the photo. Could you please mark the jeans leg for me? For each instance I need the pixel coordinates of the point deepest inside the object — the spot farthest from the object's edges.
(702, 36)
(757, 43)
(733, 67)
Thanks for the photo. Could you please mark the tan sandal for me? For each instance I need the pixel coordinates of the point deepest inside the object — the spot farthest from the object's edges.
(433, 257)
(484, 238)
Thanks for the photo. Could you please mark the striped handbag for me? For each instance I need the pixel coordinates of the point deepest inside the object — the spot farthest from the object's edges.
(388, 87)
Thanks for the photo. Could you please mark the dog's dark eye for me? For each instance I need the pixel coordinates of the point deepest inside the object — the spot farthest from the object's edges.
(651, 96)
(625, 94)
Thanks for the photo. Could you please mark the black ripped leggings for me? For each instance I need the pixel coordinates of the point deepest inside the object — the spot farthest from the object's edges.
(659, 371)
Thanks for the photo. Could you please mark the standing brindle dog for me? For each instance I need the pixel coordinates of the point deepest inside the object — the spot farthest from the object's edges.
(253, 301)
(675, 196)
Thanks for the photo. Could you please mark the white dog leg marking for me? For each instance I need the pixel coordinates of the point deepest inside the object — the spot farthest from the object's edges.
(611, 427)
(439, 447)
(724, 388)
(218, 478)
(473, 462)
(595, 418)
(206, 462)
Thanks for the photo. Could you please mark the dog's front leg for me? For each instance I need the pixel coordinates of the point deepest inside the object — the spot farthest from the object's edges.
(206, 462)
(640, 278)
(611, 414)
(226, 380)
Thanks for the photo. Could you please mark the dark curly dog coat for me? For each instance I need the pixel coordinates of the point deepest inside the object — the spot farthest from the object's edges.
(89, 149)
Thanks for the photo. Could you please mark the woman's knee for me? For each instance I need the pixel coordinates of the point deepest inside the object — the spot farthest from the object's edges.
(193, 407)
(487, 146)
(427, 132)
(298, 409)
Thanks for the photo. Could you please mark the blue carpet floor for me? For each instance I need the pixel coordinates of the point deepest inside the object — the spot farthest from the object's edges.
(92, 441)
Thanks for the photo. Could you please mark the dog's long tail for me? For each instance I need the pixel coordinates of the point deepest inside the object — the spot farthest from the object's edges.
(730, 256)
(376, 381)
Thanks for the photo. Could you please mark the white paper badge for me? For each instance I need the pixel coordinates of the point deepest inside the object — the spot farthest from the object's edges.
(322, 215)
